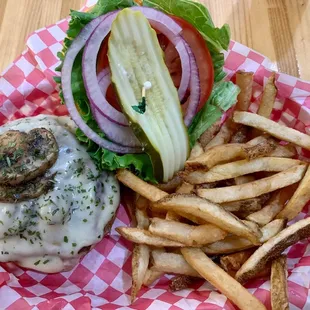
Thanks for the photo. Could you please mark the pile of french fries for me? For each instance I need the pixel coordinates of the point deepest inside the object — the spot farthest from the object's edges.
(224, 218)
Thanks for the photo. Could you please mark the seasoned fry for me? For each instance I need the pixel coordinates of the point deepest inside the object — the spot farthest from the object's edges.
(244, 179)
(245, 82)
(209, 212)
(187, 234)
(274, 129)
(196, 151)
(233, 244)
(239, 168)
(258, 147)
(273, 207)
(146, 190)
(279, 290)
(256, 188)
(221, 280)
(273, 248)
(181, 282)
(173, 264)
(223, 136)
(172, 185)
(141, 236)
(151, 276)
(299, 199)
(209, 134)
(140, 262)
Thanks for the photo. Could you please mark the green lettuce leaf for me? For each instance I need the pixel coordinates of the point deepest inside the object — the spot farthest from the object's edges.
(217, 39)
(223, 96)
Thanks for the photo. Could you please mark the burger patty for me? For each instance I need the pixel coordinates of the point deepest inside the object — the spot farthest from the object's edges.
(26, 156)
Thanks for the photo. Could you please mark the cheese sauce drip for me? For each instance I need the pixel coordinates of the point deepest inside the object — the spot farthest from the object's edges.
(50, 233)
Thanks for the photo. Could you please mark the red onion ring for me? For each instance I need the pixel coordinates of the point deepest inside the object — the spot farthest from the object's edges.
(195, 91)
(166, 25)
(66, 71)
(116, 133)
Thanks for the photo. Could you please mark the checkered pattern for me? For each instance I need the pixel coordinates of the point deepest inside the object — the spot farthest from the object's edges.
(102, 279)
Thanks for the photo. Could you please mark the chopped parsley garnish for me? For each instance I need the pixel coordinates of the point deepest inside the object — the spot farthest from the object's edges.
(37, 262)
(66, 239)
(46, 261)
(74, 244)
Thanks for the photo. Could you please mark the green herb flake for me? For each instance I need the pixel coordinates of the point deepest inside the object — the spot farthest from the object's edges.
(66, 239)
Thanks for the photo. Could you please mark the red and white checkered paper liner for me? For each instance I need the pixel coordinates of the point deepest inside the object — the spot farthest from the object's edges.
(102, 280)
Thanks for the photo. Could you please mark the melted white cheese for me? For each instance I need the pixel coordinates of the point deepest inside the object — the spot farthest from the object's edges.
(46, 234)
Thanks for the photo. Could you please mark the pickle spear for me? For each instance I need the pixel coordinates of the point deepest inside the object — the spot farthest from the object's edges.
(147, 94)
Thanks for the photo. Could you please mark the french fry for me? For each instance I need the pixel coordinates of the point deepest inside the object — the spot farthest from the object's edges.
(273, 248)
(171, 186)
(233, 243)
(279, 290)
(245, 82)
(274, 129)
(141, 236)
(239, 168)
(191, 217)
(254, 227)
(141, 252)
(209, 212)
(146, 190)
(256, 188)
(184, 188)
(188, 234)
(151, 276)
(268, 98)
(129, 200)
(172, 263)
(196, 151)
(258, 147)
(221, 280)
(222, 137)
(273, 207)
(209, 134)
(143, 221)
(231, 263)
(140, 262)
(244, 179)
(299, 199)
(250, 205)
(142, 203)
(287, 151)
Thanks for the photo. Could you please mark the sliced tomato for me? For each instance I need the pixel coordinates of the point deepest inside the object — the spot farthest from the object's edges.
(172, 59)
(203, 58)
